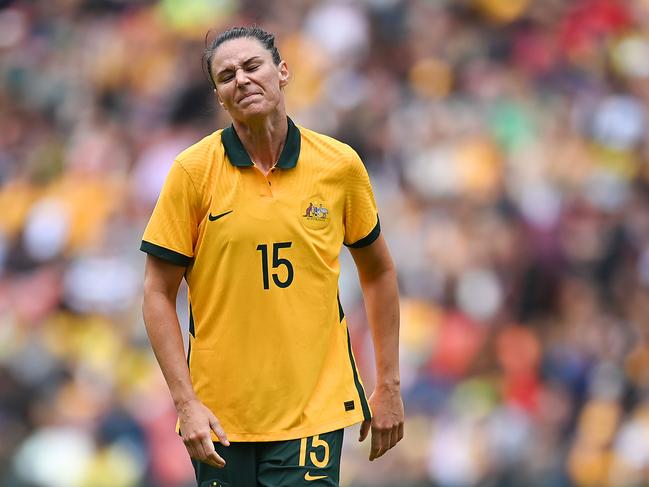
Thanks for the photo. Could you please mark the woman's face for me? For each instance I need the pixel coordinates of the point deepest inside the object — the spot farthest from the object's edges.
(248, 83)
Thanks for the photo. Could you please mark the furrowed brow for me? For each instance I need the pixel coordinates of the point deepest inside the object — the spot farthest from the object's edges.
(232, 68)
(254, 59)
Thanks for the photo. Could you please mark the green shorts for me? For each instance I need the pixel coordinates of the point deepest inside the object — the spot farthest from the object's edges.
(312, 461)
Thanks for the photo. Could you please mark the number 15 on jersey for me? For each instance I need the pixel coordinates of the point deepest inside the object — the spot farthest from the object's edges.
(277, 263)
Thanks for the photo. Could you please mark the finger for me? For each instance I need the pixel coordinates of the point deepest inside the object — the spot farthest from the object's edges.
(215, 460)
(195, 447)
(365, 428)
(219, 431)
(385, 444)
(211, 457)
(390, 436)
(394, 436)
(191, 450)
(386, 441)
(196, 444)
(377, 443)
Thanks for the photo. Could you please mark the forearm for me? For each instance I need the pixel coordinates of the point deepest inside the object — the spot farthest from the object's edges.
(381, 295)
(163, 328)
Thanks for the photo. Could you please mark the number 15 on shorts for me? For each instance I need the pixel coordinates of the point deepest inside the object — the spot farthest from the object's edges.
(320, 459)
(318, 453)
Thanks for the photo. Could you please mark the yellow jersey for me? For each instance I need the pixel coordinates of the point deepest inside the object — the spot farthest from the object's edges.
(270, 353)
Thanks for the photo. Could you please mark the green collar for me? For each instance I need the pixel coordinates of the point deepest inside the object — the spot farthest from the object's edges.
(239, 157)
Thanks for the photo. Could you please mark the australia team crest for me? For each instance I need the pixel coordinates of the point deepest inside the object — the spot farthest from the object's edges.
(314, 213)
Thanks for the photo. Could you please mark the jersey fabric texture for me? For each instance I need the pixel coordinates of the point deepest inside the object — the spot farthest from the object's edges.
(269, 350)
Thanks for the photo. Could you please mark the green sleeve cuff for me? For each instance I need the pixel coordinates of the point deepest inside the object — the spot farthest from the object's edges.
(369, 238)
(170, 256)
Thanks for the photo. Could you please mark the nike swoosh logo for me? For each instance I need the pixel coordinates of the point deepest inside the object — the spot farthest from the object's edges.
(308, 477)
(214, 218)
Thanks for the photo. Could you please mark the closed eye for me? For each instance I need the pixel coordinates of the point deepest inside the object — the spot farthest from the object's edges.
(227, 77)
(251, 64)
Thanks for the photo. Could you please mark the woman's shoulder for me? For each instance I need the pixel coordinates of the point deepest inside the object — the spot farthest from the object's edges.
(326, 147)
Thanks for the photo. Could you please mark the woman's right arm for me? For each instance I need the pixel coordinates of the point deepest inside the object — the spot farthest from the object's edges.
(161, 282)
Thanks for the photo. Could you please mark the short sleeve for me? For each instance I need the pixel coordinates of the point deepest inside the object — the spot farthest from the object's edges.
(362, 225)
(173, 227)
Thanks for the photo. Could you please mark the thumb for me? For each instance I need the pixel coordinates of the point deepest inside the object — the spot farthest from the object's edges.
(365, 428)
(219, 431)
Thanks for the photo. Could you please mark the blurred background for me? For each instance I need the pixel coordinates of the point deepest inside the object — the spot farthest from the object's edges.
(508, 145)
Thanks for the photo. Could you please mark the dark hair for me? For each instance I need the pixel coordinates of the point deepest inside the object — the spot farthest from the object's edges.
(266, 38)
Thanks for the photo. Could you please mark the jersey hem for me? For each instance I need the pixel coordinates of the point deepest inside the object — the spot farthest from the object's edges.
(165, 254)
(293, 434)
(367, 240)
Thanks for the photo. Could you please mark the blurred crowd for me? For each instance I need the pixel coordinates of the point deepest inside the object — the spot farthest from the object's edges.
(508, 145)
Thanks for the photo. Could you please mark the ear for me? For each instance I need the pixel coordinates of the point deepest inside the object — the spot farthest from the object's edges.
(220, 101)
(284, 74)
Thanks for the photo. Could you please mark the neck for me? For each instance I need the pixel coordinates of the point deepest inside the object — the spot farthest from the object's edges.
(263, 139)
